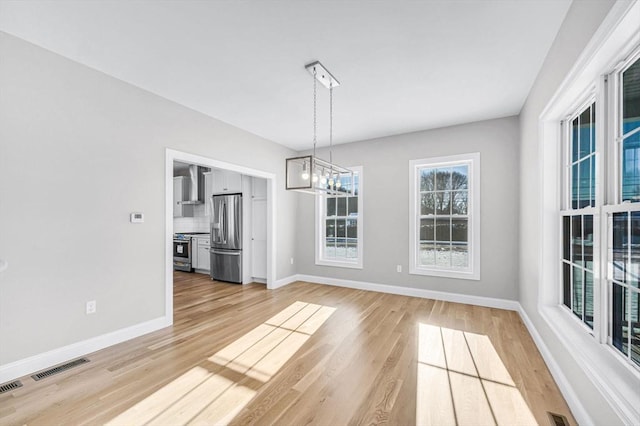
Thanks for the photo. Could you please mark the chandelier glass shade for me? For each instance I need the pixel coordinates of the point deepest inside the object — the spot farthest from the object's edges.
(314, 175)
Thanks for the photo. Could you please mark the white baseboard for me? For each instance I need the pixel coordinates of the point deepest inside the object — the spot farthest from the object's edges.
(283, 281)
(577, 409)
(488, 302)
(44, 360)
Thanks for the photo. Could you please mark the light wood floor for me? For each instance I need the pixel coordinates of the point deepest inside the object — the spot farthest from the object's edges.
(377, 358)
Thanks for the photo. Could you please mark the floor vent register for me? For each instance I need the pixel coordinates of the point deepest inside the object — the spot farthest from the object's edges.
(59, 369)
(6, 387)
(557, 419)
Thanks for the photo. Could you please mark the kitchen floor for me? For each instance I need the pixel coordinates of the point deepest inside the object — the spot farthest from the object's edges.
(304, 353)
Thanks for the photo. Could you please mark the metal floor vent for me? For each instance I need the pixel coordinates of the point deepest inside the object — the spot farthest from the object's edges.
(10, 386)
(59, 369)
(557, 419)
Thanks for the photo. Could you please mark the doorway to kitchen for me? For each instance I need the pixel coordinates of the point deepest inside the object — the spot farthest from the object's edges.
(258, 215)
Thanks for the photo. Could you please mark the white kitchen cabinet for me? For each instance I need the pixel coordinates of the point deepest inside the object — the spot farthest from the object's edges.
(195, 264)
(226, 181)
(180, 193)
(204, 258)
(200, 252)
(259, 188)
(259, 238)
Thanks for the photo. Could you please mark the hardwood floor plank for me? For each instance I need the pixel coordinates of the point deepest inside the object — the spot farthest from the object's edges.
(458, 356)
(508, 404)
(489, 364)
(431, 350)
(434, 403)
(470, 402)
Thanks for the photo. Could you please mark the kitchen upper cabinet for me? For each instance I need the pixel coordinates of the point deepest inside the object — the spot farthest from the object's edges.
(226, 181)
(259, 188)
(180, 194)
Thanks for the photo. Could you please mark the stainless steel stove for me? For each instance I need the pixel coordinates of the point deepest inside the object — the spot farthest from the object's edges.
(182, 251)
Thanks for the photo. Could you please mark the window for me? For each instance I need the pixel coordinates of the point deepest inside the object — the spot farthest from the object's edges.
(444, 216)
(623, 215)
(339, 226)
(615, 209)
(577, 220)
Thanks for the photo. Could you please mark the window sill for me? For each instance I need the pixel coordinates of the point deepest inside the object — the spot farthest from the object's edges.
(615, 379)
(446, 273)
(350, 265)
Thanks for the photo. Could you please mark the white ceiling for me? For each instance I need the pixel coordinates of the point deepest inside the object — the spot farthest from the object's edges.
(404, 65)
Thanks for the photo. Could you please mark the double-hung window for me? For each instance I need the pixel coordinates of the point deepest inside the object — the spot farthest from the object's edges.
(445, 216)
(600, 218)
(339, 225)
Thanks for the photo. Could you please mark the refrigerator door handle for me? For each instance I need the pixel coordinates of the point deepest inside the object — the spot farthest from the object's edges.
(226, 253)
(224, 223)
(217, 221)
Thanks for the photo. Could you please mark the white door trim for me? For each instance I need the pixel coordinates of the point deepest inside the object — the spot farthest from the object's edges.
(173, 155)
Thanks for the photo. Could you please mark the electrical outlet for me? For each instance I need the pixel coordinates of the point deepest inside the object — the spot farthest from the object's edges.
(398, 268)
(292, 260)
(91, 307)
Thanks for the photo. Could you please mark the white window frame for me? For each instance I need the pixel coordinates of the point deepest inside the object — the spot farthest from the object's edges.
(472, 160)
(320, 230)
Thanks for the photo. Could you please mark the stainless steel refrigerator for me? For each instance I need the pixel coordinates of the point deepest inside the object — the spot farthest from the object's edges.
(226, 238)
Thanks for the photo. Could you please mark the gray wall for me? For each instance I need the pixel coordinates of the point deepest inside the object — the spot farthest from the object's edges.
(385, 164)
(79, 151)
(581, 22)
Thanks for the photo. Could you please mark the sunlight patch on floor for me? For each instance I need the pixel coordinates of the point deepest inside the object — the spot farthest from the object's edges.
(260, 353)
(462, 381)
(209, 396)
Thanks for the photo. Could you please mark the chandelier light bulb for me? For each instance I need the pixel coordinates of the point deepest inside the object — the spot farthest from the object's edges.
(338, 184)
(331, 182)
(305, 175)
(323, 180)
(314, 178)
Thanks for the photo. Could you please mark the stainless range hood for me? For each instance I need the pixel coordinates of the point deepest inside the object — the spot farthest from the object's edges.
(196, 187)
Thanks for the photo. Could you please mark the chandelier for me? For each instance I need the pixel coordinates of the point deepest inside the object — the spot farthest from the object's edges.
(309, 173)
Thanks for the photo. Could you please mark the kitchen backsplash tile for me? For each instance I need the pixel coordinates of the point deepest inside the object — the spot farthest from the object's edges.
(198, 223)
